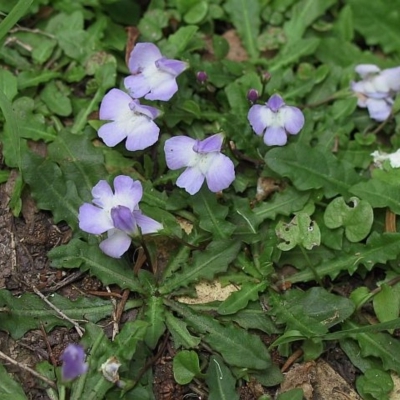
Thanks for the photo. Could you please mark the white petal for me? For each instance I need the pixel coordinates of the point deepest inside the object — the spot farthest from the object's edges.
(142, 56)
(142, 134)
(113, 103)
(93, 219)
(260, 117)
(275, 136)
(116, 244)
(112, 133)
(147, 225)
(128, 192)
(191, 180)
(378, 109)
(179, 152)
(293, 119)
(220, 174)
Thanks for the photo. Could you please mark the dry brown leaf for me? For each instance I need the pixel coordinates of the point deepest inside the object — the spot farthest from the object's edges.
(208, 292)
(318, 381)
(236, 51)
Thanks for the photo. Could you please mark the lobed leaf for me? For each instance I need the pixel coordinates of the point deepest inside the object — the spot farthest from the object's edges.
(30, 312)
(379, 249)
(205, 264)
(237, 346)
(79, 254)
(311, 168)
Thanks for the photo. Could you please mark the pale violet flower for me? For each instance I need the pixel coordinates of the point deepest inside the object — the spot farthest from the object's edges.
(376, 89)
(203, 161)
(152, 75)
(394, 158)
(73, 358)
(116, 213)
(275, 121)
(129, 120)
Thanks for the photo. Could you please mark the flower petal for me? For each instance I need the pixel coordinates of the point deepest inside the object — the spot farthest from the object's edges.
(211, 144)
(113, 104)
(143, 133)
(102, 195)
(173, 67)
(163, 90)
(116, 244)
(275, 102)
(93, 219)
(123, 219)
(378, 109)
(275, 136)
(220, 174)
(127, 192)
(366, 69)
(142, 56)
(191, 180)
(260, 117)
(392, 78)
(179, 152)
(293, 119)
(112, 133)
(137, 85)
(148, 111)
(146, 224)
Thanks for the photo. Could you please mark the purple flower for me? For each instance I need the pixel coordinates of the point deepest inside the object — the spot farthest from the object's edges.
(153, 76)
(130, 120)
(275, 121)
(117, 214)
(376, 89)
(202, 159)
(73, 358)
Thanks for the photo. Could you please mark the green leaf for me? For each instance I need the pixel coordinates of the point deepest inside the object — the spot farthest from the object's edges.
(154, 315)
(291, 52)
(89, 257)
(379, 194)
(378, 22)
(205, 264)
(13, 145)
(132, 333)
(178, 41)
(50, 190)
(196, 13)
(186, 366)
(285, 202)
(301, 230)
(28, 79)
(212, 215)
(8, 84)
(237, 346)
(357, 219)
(55, 97)
(9, 388)
(311, 168)
(386, 303)
(180, 334)
(379, 249)
(239, 300)
(220, 381)
(245, 15)
(152, 23)
(378, 344)
(303, 14)
(13, 16)
(79, 161)
(30, 312)
(293, 394)
(375, 383)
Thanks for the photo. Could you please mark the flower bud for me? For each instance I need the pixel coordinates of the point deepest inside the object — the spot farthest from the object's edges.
(201, 76)
(252, 95)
